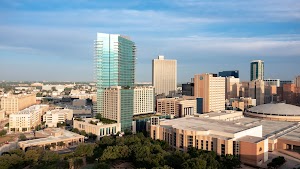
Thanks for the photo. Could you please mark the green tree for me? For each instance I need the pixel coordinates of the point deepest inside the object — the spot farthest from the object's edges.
(32, 157)
(49, 157)
(195, 163)
(22, 137)
(3, 132)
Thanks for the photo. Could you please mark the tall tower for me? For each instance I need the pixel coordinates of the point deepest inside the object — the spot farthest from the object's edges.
(257, 70)
(211, 90)
(115, 66)
(164, 76)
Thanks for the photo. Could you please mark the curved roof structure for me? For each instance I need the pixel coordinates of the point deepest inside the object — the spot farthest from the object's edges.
(279, 109)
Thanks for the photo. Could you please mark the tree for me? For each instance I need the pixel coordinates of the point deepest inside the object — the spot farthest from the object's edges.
(75, 130)
(22, 137)
(61, 144)
(276, 162)
(32, 156)
(195, 163)
(49, 157)
(3, 132)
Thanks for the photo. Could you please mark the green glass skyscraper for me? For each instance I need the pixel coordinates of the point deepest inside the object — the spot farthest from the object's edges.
(115, 66)
(257, 70)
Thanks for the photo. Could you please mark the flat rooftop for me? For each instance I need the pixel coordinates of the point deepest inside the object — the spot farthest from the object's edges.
(293, 136)
(251, 139)
(200, 124)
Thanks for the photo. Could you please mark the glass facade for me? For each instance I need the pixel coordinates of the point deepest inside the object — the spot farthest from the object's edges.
(234, 73)
(115, 66)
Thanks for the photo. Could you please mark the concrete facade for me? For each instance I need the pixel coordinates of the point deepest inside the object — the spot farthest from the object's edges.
(257, 91)
(232, 86)
(164, 76)
(51, 118)
(143, 100)
(179, 107)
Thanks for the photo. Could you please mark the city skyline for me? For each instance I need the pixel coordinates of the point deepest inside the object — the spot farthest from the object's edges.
(53, 41)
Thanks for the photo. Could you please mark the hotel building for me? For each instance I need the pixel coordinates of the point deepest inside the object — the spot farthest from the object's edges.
(211, 90)
(143, 100)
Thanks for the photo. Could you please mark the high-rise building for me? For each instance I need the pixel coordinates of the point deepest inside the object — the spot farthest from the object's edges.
(297, 81)
(179, 107)
(143, 100)
(14, 103)
(282, 82)
(272, 82)
(257, 91)
(164, 76)
(234, 73)
(212, 91)
(232, 86)
(115, 66)
(257, 70)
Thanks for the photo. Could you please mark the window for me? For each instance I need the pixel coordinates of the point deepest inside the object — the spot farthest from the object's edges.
(181, 141)
(206, 146)
(202, 144)
(212, 146)
(222, 149)
(190, 141)
(236, 148)
(174, 136)
(154, 138)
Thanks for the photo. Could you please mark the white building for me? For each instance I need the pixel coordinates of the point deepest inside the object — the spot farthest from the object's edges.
(143, 100)
(232, 86)
(164, 76)
(272, 82)
(27, 119)
(51, 118)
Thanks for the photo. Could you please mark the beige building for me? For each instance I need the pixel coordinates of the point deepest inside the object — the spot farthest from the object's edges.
(54, 138)
(164, 76)
(213, 135)
(143, 100)
(91, 125)
(242, 103)
(2, 114)
(51, 118)
(257, 91)
(179, 107)
(112, 103)
(232, 86)
(27, 119)
(15, 103)
(212, 90)
(297, 81)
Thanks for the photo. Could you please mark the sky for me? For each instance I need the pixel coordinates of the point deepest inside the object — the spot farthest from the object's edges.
(53, 40)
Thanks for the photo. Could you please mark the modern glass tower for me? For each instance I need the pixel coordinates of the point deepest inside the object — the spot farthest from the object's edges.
(257, 70)
(115, 66)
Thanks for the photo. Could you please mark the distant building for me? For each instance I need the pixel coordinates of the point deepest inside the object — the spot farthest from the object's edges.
(244, 89)
(273, 82)
(297, 81)
(14, 103)
(164, 76)
(95, 126)
(242, 103)
(27, 119)
(257, 91)
(51, 118)
(257, 70)
(212, 91)
(234, 73)
(232, 86)
(178, 107)
(282, 82)
(188, 89)
(79, 102)
(143, 100)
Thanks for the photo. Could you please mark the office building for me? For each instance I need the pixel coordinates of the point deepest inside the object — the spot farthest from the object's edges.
(14, 103)
(27, 119)
(178, 107)
(143, 100)
(188, 89)
(115, 66)
(297, 81)
(232, 87)
(95, 126)
(257, 91)
(234, 73)
(242, 103)
(257, 70)
(51, 118)
(164, 76)
(212, 91)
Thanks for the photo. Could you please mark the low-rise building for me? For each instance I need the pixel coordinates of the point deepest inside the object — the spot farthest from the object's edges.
(53, 138)
(51, 118)
(95, 126)
(179, 107)
(15, 103)
(27, 119)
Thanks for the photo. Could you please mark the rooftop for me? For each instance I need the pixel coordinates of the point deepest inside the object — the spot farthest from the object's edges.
(293, 136)
(279, 109)
(251, 139)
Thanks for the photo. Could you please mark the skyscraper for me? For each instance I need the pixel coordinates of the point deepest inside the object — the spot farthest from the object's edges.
(211, 90)
(164, 76)
(257, 70)
(257, 91)
(115, 66)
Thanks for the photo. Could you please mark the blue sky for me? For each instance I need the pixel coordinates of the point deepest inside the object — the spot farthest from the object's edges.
(53, 40)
